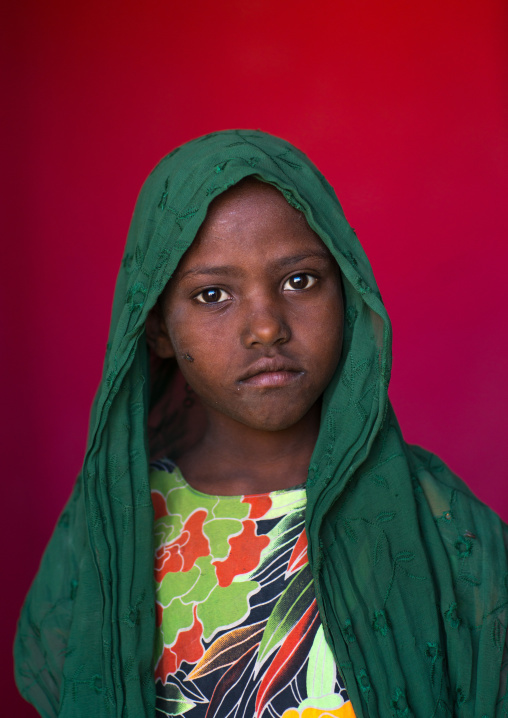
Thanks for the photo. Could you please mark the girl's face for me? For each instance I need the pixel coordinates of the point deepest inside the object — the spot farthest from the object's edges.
(253, 314)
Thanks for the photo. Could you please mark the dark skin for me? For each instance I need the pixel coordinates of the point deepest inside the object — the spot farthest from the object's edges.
(253, 316)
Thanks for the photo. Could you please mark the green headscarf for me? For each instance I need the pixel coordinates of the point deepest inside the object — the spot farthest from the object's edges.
(410, 569)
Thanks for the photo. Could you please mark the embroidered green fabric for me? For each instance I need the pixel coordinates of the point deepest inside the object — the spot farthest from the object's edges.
(410, 569)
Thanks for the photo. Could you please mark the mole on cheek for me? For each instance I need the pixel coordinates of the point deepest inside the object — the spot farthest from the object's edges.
(188, 357)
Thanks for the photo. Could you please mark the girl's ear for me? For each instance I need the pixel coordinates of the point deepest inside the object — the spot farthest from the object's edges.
(157, 334)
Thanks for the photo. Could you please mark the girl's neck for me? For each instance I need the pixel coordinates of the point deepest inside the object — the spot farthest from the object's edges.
(233, 459)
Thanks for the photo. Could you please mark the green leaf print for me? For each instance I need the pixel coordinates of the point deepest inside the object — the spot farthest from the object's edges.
(206, 582)
(226, 606)
(231, 508)
(166, 529)
(182, 617)
(178, 584)
(285, 502)
(175, 702)
(282, 535)
(290, 607)
(321, 669)
(218, 531)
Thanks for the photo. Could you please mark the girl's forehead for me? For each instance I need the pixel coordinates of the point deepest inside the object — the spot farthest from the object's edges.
(252, 219)
(251, 201)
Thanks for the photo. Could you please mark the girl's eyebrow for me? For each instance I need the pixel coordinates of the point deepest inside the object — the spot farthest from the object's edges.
(228, 269)
(316, 254)
(225, 269)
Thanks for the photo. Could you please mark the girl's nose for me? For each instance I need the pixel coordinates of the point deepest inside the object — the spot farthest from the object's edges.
(266, 327)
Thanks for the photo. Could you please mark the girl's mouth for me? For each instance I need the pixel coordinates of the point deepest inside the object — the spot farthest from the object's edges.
(271, 372)
(272, 379)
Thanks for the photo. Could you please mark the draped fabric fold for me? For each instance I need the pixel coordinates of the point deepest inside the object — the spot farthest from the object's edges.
(410, 569)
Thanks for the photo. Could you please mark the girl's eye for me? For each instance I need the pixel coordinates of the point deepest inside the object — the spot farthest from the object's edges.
(213, 295)
(300, 281)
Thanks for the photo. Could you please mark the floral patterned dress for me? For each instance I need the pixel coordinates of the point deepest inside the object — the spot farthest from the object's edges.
(238, 630)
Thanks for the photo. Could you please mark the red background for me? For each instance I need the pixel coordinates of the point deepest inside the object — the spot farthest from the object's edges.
(402, 105)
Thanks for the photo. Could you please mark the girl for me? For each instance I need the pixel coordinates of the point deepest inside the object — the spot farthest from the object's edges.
(262, 364)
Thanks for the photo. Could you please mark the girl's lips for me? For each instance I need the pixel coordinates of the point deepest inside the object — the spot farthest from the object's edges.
(271, 379)
(270, 365)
